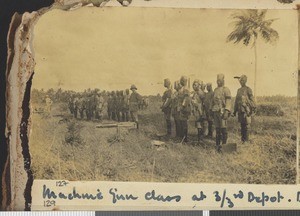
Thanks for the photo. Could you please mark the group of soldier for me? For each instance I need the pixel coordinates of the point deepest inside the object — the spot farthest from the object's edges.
(208, 108)
(120, 105)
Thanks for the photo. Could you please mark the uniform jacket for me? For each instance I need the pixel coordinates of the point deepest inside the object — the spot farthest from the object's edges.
(134, 100)
(221, 99)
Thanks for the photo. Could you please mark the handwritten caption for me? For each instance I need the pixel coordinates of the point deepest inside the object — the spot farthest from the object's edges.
(221, 197)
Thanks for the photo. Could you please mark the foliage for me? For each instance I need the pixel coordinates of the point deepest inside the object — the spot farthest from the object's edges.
(249, 25)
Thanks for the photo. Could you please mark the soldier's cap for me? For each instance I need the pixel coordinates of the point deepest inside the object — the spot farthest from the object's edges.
(241, 77)
(220, 77)
(133, 87)
(208, 84)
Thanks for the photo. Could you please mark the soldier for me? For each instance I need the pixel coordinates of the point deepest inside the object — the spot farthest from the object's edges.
(99, 106)
(122, 104)
(89, 106)
(126, 105)
(197, 105)
(184, 107)
(109, 105)
(221, 107)
(49, 103)
(134, 101)
(80, 106)
(166, 106)
(74, 104)
(113, 105)
(118, 107)
(207, 107)
(175, 109)
(245, 107)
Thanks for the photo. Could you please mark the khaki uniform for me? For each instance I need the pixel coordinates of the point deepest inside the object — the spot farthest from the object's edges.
(134, 101)
(126, 107)
(221, 102)
(175, 111)
(208, 99)
(48, 104)
(244, 106)
(184, 104)
(221, 105)
(197, 99)
(166, 108)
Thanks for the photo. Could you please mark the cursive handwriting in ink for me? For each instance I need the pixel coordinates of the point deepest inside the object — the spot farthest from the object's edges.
(152, 196)
(49, 194)
(116, 197)
(201, 197)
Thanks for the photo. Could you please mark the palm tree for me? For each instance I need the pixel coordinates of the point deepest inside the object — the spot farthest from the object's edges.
(249, 26)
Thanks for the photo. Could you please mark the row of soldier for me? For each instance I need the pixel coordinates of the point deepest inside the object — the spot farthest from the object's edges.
(120, 105)
(208, 108)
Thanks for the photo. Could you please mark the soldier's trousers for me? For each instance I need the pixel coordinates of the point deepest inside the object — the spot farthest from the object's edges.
(221, 137)
(177, 128)
(125, 116)
(184, 130)
(244, 132)
(168, 123)
(134, 117)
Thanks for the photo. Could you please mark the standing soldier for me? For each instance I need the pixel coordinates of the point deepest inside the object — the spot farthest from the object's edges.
(109, 105)
(198, 110)
(118, 105)
(49, 103)
(166, 106)
(81, 105)
(134, 101)
(245, 107)
(175, 109)
(207, 107)
(126, 105)
(184, 107)
(99, 106)
(113, 105)
(221, 107)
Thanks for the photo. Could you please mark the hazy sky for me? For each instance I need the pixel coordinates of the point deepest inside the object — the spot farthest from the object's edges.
(112, 48)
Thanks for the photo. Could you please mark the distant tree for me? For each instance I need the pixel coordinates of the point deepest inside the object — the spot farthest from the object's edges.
(249, 26)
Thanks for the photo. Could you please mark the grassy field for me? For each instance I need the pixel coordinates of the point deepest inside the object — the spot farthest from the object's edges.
(65, 148)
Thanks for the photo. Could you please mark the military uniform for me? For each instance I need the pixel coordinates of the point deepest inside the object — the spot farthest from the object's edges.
(166, 106)
(175, 110)
(185, 111)
(208, 112)
(48, 104)
(126, 105)
(99, 100)
(221, 107)
(197, 98)
(109, 107)
(134, 101)
(244, 106)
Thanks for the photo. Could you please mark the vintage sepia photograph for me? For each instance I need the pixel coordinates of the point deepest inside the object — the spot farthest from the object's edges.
(165, 95)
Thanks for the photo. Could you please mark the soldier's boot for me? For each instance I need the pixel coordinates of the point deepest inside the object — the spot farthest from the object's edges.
(218, 140)
(137, 125)
(224, 135)
(247, 133)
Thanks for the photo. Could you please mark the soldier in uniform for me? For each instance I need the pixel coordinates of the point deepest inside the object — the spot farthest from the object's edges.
(175, 109)
(49, 103)
(109, 105)
(113, 105)
(184, 107)
(118, 107)
(81, 105)
(221, 108)
(99, 106)
(166, 106)
(126, 105)
(197, 99)
(245, 107)
(134, 100)
(207, 107)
